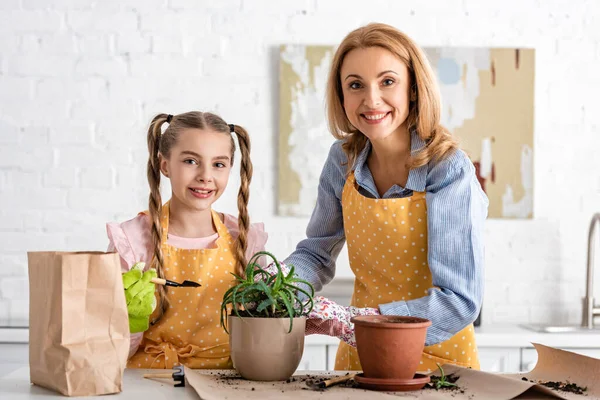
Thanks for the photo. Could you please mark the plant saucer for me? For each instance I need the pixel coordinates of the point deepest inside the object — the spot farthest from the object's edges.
(392, 385)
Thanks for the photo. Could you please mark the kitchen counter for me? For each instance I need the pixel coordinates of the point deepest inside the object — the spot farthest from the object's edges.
(14, 335)
(502, 348)
(476, 384)
(15, 385)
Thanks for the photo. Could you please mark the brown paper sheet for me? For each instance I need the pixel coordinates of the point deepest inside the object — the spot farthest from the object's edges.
(78, 323)
(553, 365)
(224, 385)
(565, 366)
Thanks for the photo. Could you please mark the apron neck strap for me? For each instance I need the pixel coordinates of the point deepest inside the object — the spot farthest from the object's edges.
(219, 225)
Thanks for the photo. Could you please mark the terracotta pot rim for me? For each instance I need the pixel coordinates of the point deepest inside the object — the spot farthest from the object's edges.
(387, 321)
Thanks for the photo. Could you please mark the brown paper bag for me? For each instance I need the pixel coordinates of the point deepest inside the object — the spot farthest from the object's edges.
(78, 324)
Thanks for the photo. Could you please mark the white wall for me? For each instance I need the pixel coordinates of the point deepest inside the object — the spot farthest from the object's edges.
(80, 81)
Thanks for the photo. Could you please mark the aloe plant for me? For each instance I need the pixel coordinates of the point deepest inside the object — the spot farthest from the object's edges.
(262, 295)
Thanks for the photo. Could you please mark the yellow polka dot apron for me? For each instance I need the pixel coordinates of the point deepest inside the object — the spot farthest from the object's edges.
(189, 332)
(387, 248)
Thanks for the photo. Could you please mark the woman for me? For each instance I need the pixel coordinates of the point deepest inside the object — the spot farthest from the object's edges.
(402, 195)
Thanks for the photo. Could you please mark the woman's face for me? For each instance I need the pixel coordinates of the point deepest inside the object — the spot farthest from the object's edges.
(376, 88)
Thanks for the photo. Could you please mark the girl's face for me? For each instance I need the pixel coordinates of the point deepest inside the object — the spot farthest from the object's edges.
(376, 88)
(198, 167)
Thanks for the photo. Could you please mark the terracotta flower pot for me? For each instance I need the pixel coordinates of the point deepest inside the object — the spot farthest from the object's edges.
(263, 350)
(390, 347)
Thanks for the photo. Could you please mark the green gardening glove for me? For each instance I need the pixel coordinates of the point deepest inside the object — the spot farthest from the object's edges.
(139, 294)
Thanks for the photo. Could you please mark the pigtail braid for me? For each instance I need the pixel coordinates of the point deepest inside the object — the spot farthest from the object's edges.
(243, 197)
(155, 207)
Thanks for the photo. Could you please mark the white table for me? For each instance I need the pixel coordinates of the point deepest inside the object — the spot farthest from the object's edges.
(15, 385)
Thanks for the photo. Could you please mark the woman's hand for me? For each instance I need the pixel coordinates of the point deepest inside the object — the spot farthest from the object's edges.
(330, 318)
(139, 295)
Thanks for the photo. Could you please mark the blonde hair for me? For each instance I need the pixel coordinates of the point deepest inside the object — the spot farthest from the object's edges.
(162, 143)
(424, 112)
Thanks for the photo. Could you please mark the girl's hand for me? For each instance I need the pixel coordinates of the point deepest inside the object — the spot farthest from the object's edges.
(139, 295)
(330, 318)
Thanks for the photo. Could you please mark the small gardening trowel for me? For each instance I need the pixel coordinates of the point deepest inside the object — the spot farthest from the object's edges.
(323, 384)
(178, 376)
(167, 282)
(140, 265)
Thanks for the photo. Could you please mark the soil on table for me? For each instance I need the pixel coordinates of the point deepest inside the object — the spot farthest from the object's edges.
(560, 386)
(311, 381)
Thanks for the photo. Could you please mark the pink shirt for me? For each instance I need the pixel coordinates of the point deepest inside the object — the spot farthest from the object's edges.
(192, 243)
(133, 241)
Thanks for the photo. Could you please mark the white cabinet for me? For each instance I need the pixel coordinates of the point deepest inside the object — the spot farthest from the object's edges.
(529, 356)
(314, 358)
(14, 353)
(499, 359)
(492, 359)
(331, 352)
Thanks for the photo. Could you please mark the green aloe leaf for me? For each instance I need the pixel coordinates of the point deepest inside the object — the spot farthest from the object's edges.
(264, 304)
(271, 295)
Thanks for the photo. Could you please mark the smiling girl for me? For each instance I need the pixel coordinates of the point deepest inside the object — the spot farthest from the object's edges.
(185, 239)
(398, 190)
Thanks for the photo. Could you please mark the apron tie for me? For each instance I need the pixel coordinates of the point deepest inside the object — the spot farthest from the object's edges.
(173, 355)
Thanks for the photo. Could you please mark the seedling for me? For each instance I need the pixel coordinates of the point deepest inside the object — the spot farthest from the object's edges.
(443, 380)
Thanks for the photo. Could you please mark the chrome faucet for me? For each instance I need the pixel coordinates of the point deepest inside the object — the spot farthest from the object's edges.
(589, 308)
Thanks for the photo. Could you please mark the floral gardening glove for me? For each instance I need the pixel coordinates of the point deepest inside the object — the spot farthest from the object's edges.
(139, 295)
(330, 318)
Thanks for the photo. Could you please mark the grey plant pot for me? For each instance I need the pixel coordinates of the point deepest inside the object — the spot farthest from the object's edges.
(263, 350)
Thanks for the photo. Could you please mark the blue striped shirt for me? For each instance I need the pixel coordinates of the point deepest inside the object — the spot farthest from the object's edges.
(456, 211)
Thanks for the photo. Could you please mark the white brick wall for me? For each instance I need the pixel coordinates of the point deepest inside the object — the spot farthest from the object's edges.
(80, 80)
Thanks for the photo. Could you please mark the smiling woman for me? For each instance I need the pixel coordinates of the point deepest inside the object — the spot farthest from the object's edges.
(402, 195)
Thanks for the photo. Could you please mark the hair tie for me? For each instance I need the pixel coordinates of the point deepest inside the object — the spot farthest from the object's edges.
(231, 128)
(169, 118)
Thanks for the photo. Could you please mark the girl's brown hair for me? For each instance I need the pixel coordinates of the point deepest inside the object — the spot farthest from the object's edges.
(162, 143)
(424, 112)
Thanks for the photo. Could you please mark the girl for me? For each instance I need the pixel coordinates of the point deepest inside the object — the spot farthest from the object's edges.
(186, 239)
(402, 195)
